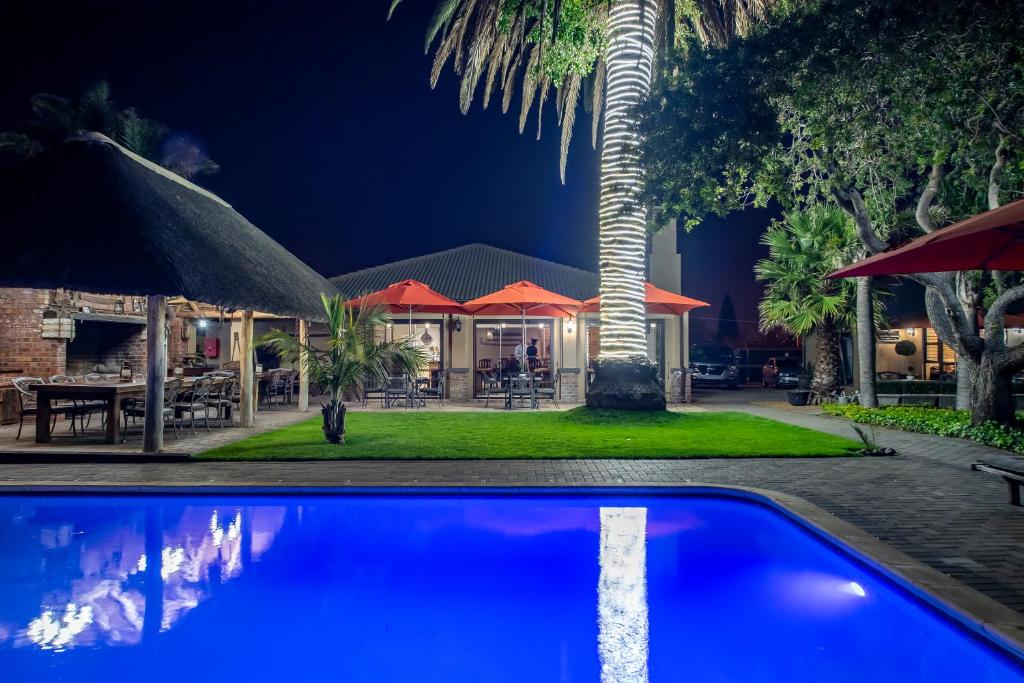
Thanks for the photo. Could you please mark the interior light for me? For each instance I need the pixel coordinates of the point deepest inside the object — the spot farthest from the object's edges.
(201, 323)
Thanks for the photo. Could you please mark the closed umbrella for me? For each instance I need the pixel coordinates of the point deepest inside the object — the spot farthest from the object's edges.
(993, 240)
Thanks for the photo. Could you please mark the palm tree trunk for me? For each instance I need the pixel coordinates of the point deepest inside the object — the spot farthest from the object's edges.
(623, 222)
(866, 344)
(826, 365)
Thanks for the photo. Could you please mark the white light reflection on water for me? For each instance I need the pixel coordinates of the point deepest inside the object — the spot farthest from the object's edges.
(622, 637)
(100, 599)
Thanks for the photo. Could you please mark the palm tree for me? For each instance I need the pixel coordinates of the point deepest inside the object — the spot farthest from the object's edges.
(55, 119)
(352, 356)
(606, 49)
(799, 298)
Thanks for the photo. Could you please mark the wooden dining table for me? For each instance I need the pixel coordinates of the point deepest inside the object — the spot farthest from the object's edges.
(112, 393)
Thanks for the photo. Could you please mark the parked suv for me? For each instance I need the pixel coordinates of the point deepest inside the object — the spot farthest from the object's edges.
(714, 364)
(781, 372)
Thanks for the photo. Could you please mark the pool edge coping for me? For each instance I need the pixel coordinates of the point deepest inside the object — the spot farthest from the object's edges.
(958, 602)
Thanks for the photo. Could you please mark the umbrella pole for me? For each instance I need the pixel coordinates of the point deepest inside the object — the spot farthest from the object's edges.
(522, 361)
(500, 357)
(156, 374)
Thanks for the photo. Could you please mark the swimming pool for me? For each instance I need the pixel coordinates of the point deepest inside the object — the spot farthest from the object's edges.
(611, 587)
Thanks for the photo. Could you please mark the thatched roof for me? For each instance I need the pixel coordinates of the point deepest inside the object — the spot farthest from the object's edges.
(90, 215)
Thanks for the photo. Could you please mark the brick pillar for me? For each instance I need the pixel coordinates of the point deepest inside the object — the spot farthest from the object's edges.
(459, 388)
(570, 388)
(676, 389)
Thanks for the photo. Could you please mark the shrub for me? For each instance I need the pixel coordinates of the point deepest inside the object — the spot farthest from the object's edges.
(941, 421)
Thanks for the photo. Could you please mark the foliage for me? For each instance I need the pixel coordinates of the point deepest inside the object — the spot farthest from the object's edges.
(539, 44)
(55, 119)
(905, 347)
(578, 433)
(728, 326)
(352, 353)
(840, 94)
(940, 421)
(803, 249)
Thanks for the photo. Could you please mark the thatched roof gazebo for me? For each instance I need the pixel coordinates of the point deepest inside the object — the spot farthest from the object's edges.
(91, 215)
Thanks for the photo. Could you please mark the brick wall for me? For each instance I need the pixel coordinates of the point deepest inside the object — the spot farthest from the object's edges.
(23, 351)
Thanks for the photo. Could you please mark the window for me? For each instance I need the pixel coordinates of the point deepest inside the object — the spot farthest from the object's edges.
(496, 343)
(939, 359)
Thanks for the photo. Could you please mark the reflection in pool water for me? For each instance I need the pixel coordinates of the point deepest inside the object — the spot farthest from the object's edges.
(617, 589)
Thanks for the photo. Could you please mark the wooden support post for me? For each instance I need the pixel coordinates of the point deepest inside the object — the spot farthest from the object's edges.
(156, 374)
(247, 398)
(303, 333)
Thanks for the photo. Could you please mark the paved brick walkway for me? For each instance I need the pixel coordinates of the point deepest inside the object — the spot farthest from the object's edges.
(926, 502)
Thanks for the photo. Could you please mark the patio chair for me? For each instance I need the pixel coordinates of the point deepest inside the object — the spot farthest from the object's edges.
(396, 388)
(547, 389)
(435, 392)
(288, 378)
(520, 388)
(372, 388)
(490, 386)
(275, 386)
(195, 402)
(84, 409)
(222, 389)
(29, 407)
(136, 408)
(93, 377)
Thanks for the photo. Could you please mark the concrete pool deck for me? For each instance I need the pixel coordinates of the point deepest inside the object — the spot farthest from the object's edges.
(925, 503)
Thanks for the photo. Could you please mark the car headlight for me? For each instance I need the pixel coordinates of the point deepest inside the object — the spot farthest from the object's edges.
(731, 368)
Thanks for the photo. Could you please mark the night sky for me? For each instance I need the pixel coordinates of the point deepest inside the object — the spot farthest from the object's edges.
(330, 139)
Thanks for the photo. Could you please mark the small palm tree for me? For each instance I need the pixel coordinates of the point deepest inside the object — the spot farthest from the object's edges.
(351, 356)
(803, 249)
(55, 119)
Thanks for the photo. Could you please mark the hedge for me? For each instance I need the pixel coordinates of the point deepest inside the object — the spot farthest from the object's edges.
(918, 386)
(941, 421)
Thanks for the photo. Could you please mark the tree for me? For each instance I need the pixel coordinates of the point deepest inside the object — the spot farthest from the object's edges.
(907, 115)
(352, 356)
(609, 48)
(799, 298)
(728, 326)
(55, 119)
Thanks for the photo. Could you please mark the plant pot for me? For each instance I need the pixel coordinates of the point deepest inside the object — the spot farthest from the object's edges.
(798, 397)
(334, 421)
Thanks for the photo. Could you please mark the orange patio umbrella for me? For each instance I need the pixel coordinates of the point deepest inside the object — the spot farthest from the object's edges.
(656, 300)
(993, 240)
(409, 296)
(524, 297)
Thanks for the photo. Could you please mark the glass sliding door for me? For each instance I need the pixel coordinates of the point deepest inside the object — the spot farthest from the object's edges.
(499, 351)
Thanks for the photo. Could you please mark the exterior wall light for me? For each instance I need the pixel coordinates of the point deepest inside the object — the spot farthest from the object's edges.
(570, 325)
(458, 325)
(911, 331)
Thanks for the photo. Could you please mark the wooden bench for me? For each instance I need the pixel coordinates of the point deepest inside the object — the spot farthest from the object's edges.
(1013, 478)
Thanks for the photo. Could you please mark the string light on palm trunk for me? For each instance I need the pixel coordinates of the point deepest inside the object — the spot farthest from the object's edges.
(623, 232)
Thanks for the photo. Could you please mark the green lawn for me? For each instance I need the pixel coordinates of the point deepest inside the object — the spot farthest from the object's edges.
(580, 433)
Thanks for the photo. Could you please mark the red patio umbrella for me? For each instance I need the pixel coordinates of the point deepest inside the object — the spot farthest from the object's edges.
(656, 300)
(523, 297)
(993, 240)
(408, 296)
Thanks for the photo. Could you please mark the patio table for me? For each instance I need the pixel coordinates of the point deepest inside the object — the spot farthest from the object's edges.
(111, 393)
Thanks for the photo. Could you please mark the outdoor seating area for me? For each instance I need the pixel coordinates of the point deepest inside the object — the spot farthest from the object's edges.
(97, 406)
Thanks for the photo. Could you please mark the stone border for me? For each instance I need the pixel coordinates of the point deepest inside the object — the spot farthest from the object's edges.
(978, 614)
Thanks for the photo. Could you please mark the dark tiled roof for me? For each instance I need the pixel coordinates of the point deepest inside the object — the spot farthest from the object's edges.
(471, 271)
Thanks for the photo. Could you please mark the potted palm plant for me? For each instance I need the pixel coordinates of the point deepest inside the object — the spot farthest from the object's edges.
(351, 356)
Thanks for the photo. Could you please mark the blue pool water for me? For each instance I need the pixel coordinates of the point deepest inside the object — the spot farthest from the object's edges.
(452, 588)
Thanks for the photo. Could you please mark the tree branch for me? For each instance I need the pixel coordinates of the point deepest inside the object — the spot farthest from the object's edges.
(924, 203)
(995, 319)
(996, 172)
(851, 202)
